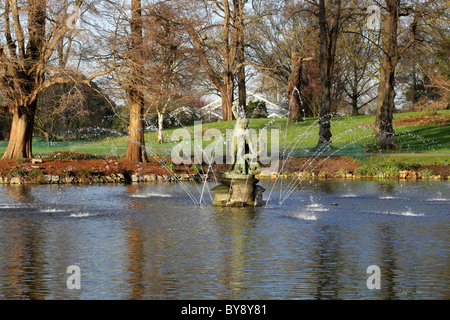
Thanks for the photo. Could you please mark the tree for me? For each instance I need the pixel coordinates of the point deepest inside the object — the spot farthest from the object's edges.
(136, 139)
(358, 66)
(32, 33)
(66, 108)
(217, 32)
(328, 17)
(425, 66)
(154, 67)
(329, 23)
(282, 42)
(392, 52)
(239, 23)
(210, 50)
(294, 90)
(171, 70)
(21, 74)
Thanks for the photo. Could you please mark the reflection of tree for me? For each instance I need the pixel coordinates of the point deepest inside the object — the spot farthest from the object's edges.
(329, 258)
(386, 187)
(19, 193)
(146, 252)
(389, 262)
(24, 256)
(165, 248)
(135, 255)
(237, 224)
(327, 187)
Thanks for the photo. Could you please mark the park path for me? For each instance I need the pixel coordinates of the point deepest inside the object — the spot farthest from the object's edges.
(408, 154)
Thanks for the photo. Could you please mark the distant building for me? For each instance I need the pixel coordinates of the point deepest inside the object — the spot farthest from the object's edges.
(184, 111)
(213, 111)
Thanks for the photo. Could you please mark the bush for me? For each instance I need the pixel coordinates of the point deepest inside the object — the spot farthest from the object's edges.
(36, 175)
(386, 170)
(257, 110)
(367, 170)
(79, 156)
(196, 168)
(18, 173)
(426, 173)
(169, 166)
(428, 112)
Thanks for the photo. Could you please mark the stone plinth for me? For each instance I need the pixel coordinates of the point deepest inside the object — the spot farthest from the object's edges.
(238, 191)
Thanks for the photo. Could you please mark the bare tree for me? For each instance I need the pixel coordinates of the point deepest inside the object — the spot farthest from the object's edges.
(239, 22)
(136, 139)
(32, 34)
(359, 68)
(224, 48)
(216, 29)
(294, 90)
(21, 74)
(392, 52)
(172, 69)
(329, 20)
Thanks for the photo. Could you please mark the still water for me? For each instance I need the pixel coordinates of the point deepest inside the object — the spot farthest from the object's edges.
(151, 242)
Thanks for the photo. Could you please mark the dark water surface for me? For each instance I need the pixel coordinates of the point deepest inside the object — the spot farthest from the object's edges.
(151, 242)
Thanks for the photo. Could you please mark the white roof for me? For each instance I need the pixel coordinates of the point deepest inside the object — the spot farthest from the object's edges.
(273, 109)
(183, 109)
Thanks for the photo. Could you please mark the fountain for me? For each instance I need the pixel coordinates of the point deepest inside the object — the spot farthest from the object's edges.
(239, 187)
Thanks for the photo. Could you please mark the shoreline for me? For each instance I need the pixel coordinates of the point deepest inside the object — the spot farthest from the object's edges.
(108, 170)
(133, 179)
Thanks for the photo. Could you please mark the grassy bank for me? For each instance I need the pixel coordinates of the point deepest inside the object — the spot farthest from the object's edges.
(419, 135)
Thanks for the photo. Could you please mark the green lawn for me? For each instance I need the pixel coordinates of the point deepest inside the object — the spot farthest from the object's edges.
(349, 134)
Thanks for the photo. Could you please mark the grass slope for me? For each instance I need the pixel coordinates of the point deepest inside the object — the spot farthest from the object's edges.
(348, 132)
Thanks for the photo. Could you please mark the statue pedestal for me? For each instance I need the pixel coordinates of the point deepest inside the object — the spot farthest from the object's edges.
(238, 191)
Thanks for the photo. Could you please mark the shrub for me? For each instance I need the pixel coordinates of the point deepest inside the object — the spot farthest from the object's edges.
(169, 166)
(18, 173)
(426, 173)
(36, 175)
(428, 112)
(367, 170)
(196, 168)
(84, 172)
(256, 109)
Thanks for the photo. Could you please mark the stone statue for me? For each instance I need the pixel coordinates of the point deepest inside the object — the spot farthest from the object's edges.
(238, 185)
(243, 152)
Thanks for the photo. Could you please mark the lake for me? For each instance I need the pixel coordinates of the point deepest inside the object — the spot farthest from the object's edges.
(150, 241)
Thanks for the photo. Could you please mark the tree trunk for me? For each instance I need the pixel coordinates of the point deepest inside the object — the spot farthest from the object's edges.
(160, 127)
(21, 136)
(227, 98)
(241, 82)
(294, 89)
(325, 118)
(329, 33)
(354, 97)
(386, 89)
(386, 93)
(26, 78)
(240, 54)
(136, 140)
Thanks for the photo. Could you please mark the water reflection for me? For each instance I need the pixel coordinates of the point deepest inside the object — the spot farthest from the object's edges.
(23, 256)
(235, 228)
(150, 242)
(328, 258)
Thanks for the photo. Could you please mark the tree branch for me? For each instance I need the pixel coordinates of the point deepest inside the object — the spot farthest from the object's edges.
(18, 28)
(9, 42)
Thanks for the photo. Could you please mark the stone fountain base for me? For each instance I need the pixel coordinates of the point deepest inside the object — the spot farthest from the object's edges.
(238, 191)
